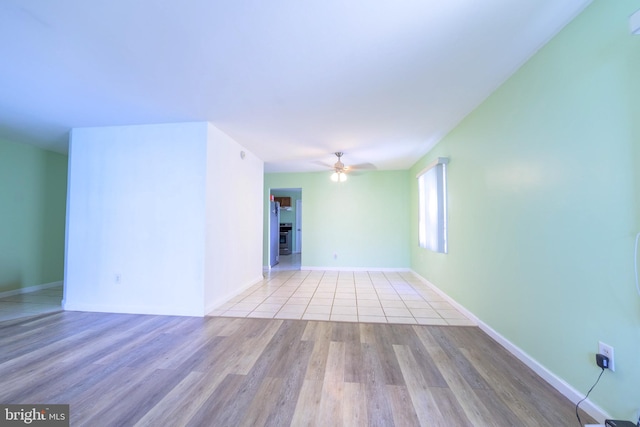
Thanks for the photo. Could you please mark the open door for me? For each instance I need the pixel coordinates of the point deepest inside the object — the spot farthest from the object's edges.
(298, 226)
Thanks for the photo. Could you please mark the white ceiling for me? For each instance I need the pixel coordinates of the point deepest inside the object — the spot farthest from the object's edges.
(292, 81)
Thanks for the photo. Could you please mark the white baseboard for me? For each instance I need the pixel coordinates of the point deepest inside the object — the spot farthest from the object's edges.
(29, 289)
(131, 309)
(555, 381)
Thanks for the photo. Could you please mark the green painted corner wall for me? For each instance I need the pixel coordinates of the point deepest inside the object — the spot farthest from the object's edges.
(543, 188)
(33, 188)
(364, 220)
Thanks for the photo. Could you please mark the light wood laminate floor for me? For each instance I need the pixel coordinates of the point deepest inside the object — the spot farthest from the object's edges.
(125, 370)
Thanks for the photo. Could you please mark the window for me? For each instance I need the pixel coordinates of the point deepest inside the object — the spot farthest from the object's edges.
(432, 190)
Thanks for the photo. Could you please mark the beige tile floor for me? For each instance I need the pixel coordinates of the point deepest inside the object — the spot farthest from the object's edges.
(31, 304)
(352, 296)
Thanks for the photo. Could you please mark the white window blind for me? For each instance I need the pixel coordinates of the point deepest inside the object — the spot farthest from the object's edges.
(432, 189)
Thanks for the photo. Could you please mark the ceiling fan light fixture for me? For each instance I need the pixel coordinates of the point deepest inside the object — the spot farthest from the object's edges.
(338, 177)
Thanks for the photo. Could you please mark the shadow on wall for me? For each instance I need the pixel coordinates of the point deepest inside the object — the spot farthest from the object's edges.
(53, 218)
(11, 279)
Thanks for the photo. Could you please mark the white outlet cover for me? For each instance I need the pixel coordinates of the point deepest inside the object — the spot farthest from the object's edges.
(607, 350)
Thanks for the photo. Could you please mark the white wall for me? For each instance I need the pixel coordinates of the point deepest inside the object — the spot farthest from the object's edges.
(142, 207)
(234, 219)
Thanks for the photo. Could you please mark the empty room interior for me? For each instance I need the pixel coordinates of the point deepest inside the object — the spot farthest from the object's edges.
(369, 213)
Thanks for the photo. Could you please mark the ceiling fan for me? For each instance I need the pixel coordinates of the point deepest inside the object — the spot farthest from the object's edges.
(340, 170)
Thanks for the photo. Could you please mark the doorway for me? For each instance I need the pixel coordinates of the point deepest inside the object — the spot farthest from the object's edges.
(290, 222)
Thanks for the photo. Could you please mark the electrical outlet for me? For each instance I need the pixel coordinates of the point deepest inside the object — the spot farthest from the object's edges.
(607, 350)
(118, 278)
(335, 255)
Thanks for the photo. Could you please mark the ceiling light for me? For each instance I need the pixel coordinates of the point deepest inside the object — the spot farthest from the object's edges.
(338, 177)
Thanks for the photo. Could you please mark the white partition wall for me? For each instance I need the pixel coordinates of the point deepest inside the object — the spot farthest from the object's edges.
(234, 218)
(138, 232)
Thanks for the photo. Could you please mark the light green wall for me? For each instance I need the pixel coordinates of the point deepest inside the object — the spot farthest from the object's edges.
(363, 220)
(543, 206)
(33, 187)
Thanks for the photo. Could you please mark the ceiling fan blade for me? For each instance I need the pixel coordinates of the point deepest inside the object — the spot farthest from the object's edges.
(359, 169)
(346, 168)
(362, 167)
(323, 164)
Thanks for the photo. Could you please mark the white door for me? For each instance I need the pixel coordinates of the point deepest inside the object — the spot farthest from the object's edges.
(298, 226)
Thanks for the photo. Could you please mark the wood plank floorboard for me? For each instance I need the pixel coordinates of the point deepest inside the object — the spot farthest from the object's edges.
(308, 404)
(354, 409)
(126, 370)
(379, 405)
(403, 411)
(386, 337)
